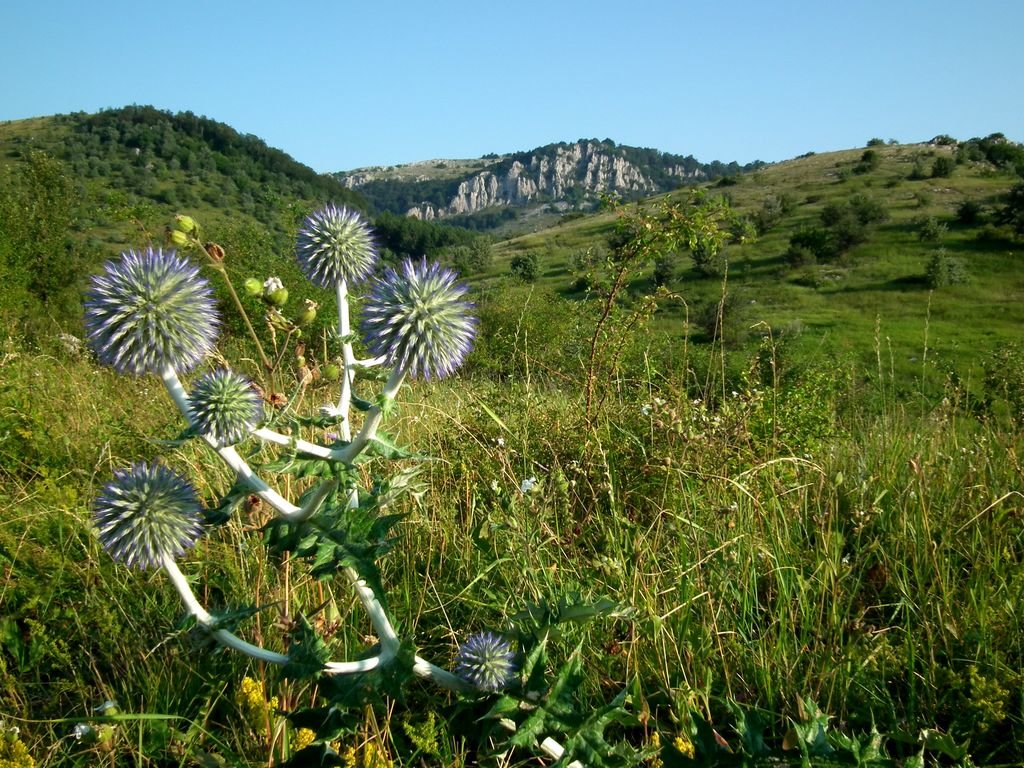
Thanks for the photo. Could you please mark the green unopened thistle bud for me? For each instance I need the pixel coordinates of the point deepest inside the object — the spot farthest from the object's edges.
(184, 223)
(300, 361)
(308, 314)
(177, 237)
(331, 372)
(274, 292)
(277, 298)
(252, 286)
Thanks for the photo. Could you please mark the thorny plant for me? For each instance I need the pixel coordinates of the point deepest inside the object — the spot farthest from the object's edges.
(152, 312)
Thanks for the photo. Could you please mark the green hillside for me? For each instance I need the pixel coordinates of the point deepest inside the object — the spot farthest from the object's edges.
(867, 291)
(77, 189)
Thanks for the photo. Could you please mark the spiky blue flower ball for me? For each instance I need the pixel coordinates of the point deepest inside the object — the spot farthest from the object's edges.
(335, 244)
(149, 310)
(419, 319)
(487, 661)
(146, 513)
(224, 406)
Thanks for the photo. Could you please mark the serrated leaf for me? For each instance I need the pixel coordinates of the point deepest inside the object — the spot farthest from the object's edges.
(321, 420)
(944, 744)
(228, 503)
(361, 405)
(230, 619)
(589, 745)
(381, 445)
(556, 711)
(307, 653)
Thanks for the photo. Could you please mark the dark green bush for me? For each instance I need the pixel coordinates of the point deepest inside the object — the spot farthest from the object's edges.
(943, 167)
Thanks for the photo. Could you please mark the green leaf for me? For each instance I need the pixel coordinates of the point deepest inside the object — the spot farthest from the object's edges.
(307, 653)
(230, 619)
(589, 745)
(221, 513)
(750, 728)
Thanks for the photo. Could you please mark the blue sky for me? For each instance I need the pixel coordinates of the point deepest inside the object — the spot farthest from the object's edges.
(340, 85)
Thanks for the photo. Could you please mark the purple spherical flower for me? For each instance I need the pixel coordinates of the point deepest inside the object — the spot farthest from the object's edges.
(147, 513)
(419, 319)
(149, 310)
(224, 407)
(487, 661)
(336, 244)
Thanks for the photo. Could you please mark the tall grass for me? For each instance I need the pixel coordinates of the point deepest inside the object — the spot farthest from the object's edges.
(778, 531)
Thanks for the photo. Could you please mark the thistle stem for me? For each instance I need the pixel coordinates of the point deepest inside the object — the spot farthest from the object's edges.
(219, 266)
(348, 359)
(381, 623)
(373, 418)
(209, 622)
(242, 469)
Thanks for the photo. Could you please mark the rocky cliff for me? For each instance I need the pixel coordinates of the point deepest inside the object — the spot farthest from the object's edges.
(567, 175)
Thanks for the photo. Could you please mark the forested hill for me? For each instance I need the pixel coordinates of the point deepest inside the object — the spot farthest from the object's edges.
(179, 159)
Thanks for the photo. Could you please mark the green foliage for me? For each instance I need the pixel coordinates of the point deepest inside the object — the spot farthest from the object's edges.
(39, 207)
(943, 270)
(469, 259)
(969, 213)
(930, 229)
(666, 265)
(525, 266)
(1012, 212)
(917, 172)
(1003, 392)
(869, 161)
(943, 167)
(408, 237)
(845, 224)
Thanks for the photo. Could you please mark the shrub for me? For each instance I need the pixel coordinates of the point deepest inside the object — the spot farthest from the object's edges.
(869, 161)
(943, 270)
(525, 266)
(876, 143)
(709, 260)
(969, 213)
(943, 167)
(930, 230)
(664, 268)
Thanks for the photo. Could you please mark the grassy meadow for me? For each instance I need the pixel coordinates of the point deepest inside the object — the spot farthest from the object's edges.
(807, 524)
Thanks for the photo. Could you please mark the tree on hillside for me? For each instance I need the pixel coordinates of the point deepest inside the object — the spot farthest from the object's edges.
(1012, 213)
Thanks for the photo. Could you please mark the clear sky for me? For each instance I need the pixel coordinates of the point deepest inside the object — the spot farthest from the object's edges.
(340, 85)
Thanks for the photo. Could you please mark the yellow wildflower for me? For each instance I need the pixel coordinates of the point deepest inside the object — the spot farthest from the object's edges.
(14, 754)
(303, 738)
(684, 745)
(254, 708)
(654, 761)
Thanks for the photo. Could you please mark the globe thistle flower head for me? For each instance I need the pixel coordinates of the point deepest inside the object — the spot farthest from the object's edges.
(487, 661)
(147, 513)
(149, 310)
(224, 407)
(336, 244)
(419, 319)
